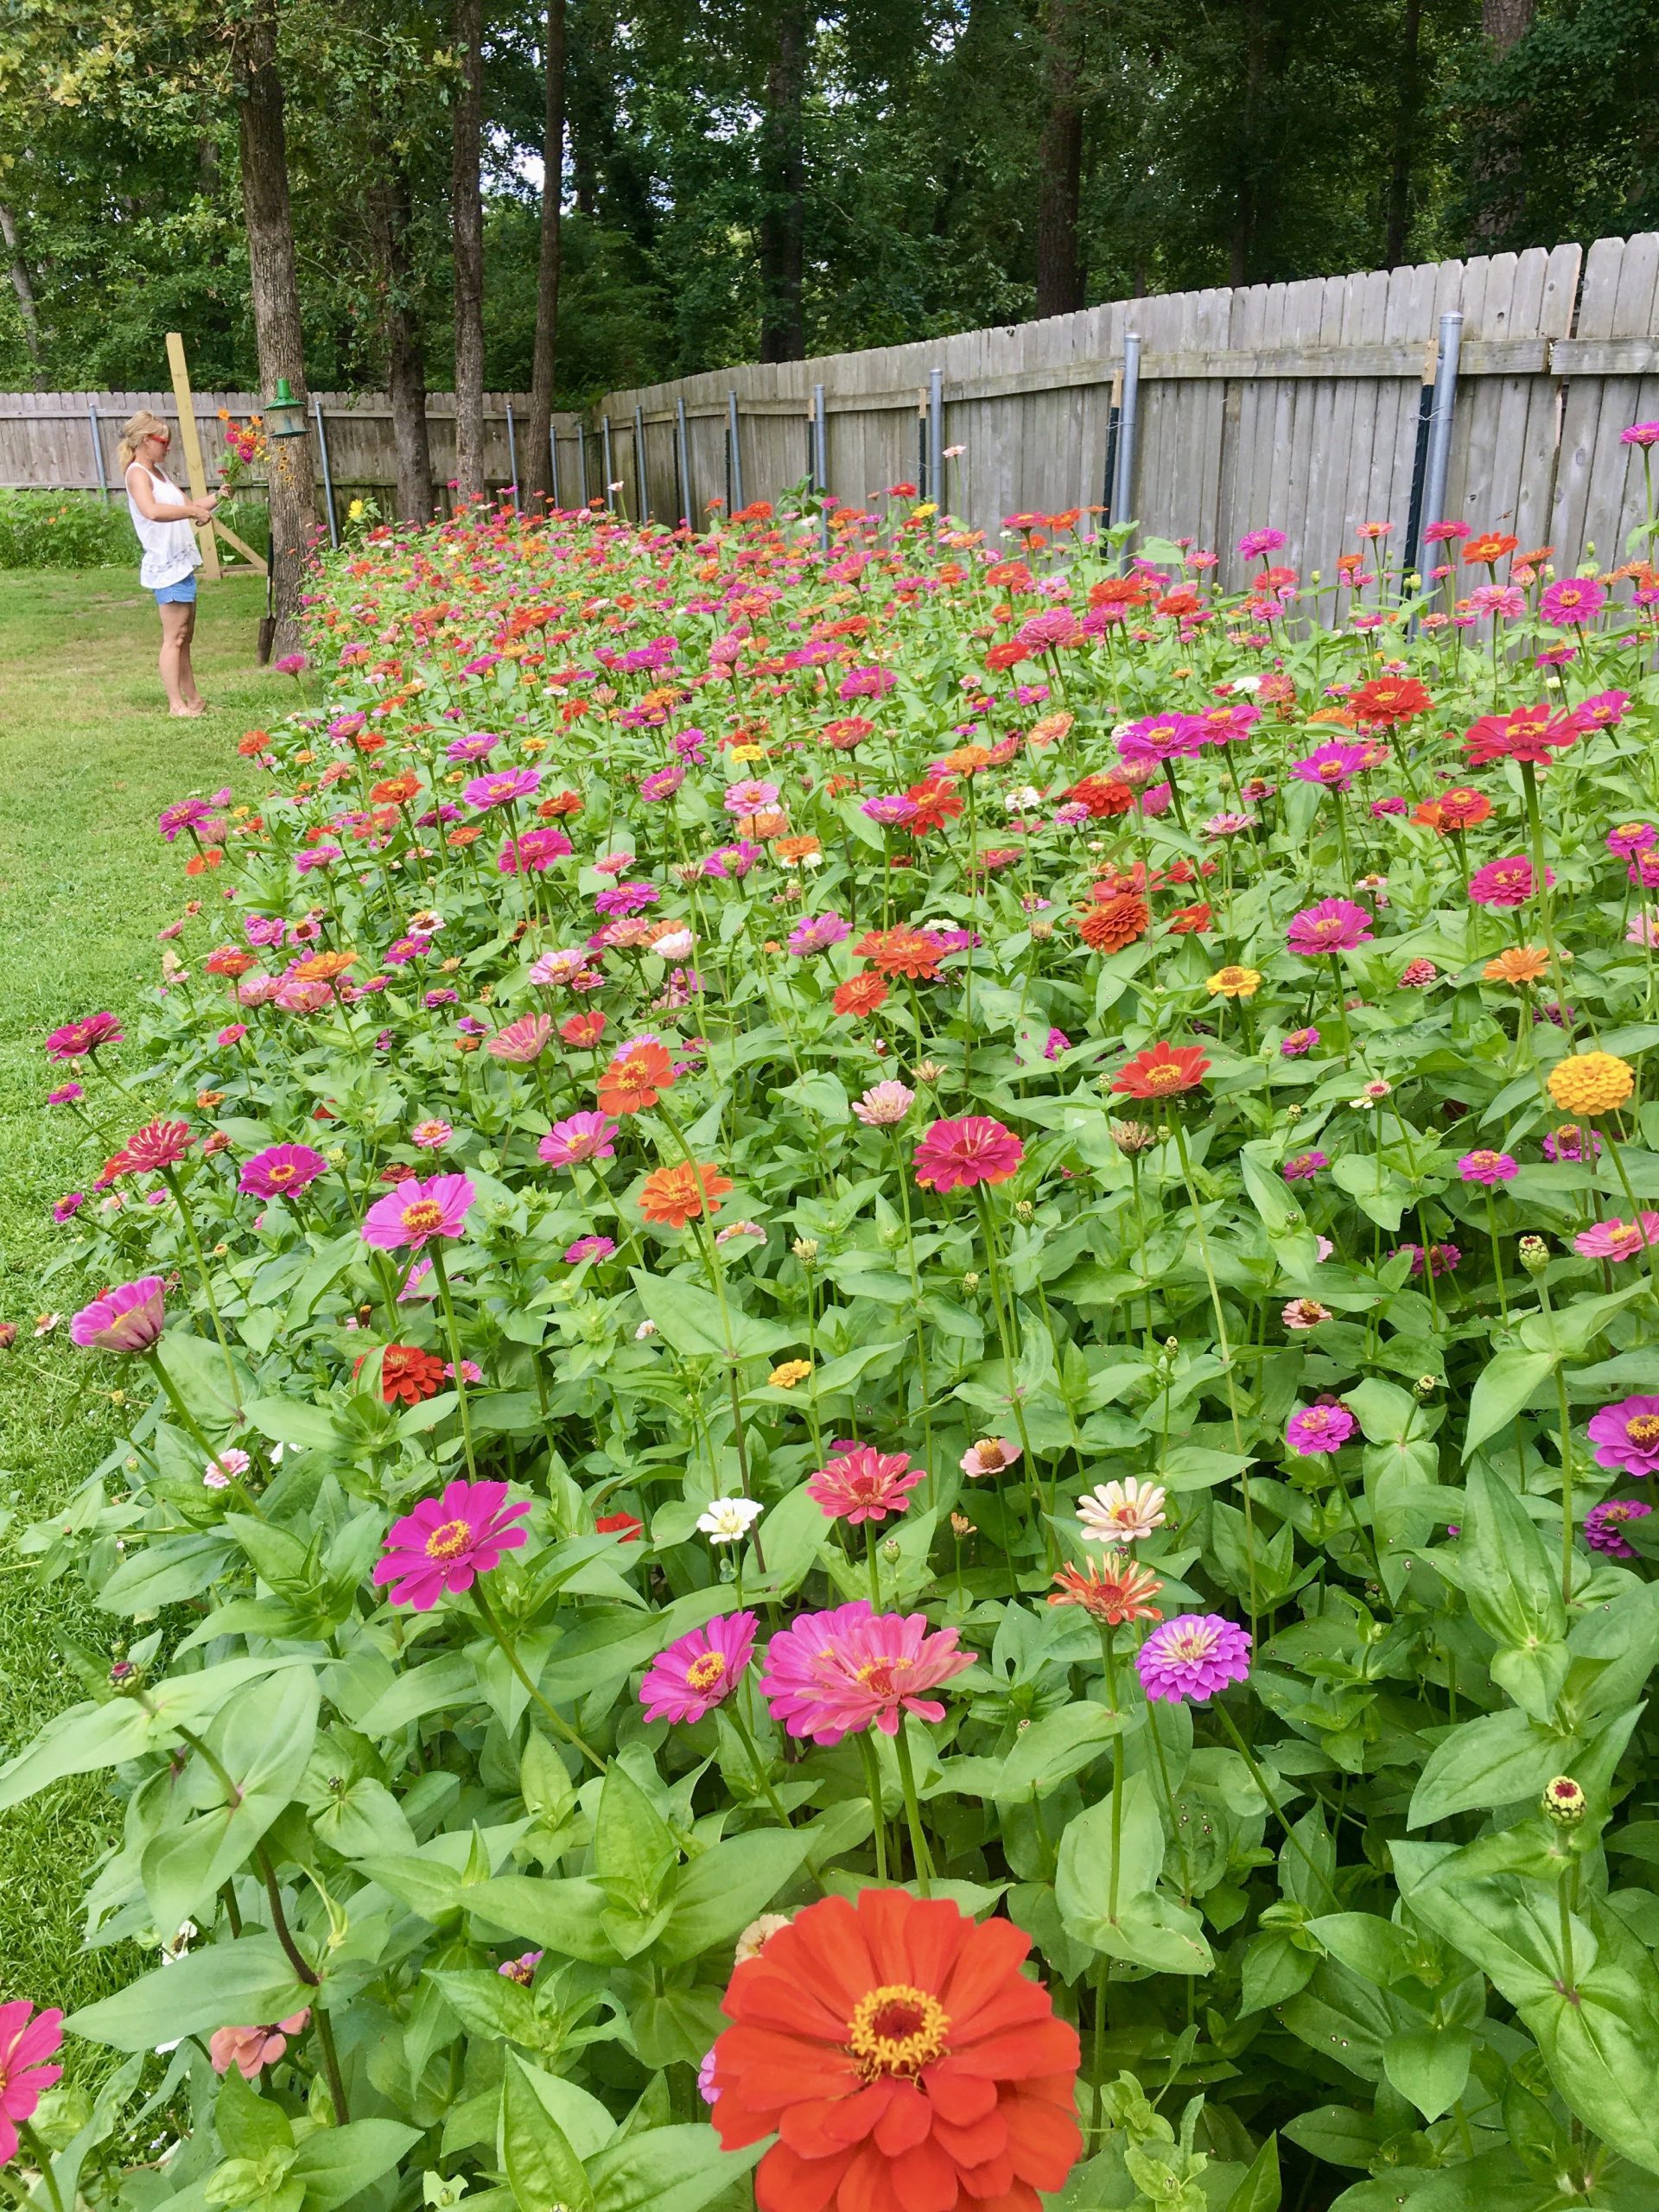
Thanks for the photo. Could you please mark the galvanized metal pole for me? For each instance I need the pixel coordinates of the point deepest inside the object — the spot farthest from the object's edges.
(581, 459)
(97, 454)
(821, 461)
(935, 437)
(610, 478)
(1128, 417)
(683, 462)
(642, 495)
(736, 451)
(512, 454)
(327, 476)
(1439, 425)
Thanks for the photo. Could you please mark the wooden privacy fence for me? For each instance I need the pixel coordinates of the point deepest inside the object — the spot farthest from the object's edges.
(1301, 407)
(66, 440)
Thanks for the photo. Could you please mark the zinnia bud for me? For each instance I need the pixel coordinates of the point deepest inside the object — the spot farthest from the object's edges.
(1564, 1802)
(1535, 1255)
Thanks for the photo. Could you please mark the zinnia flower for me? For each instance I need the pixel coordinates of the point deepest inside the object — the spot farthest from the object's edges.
(676, 1195)
(992, 1455)
(409, 1375)
(964, 1153)
(1504, 883)
(1109, 925)
(728, 1519)
(1626, 1436)
(635, 1079)
(698, 1670)
(580, 1136)
(1334, 925)
(249, 2050)
(128, 1319)
(1517, 965)
(1617, 1239)
(280, 1169)
(159, 1144)
(1603, 1524)
(521, 1041)
(836, 1674)
(1114, 1589)
(27, 2040)
(1319, 1429)
(415, 1212)
(1162, 1072)
(503, 787)
(1234, 982)
(1488, 1167)
(1588, 1083)
(447, 1542)
(901, 2058)
(864, 1484)
(884, 1105)
(1121, 1513)
(1192, 1657)
(78, 1040)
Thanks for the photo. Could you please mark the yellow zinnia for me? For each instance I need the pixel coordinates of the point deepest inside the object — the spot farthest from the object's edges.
(1591, 1083)
(789, 1374)
(1234, 982)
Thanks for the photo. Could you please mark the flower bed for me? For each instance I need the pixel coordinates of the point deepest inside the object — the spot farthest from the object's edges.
(901, 1297)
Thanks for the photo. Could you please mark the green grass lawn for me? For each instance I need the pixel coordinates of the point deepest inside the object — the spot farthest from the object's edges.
(88, 757)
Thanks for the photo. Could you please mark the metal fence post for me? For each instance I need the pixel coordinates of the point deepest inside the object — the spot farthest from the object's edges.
(97, 454)
(935, 437)
(683, 462)
(821, 460)
(512, 457)
(736, 451)
(1128, 415)
(642, 493)
(1440, 425)
(605, 433)
(327, 476)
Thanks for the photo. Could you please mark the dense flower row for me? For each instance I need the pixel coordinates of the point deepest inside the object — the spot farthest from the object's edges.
(865, 1254)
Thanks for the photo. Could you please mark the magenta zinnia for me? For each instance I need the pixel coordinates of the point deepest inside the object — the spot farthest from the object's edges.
(834, 1674)
(1334, 925)
(447, 1542)
(415, 1212)
(157, 1144)
(964, 1152)
(76, 1039)
(128, 1318)
(864, 1484)
(698, 1670)
(281, 1168)
(26, 2045)
(1190, 1658)
(1627, 1435)
(587, 1135)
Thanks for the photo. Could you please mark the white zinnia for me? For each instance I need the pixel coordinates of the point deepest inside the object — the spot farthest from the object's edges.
(728, 1519)
(1121, 1513)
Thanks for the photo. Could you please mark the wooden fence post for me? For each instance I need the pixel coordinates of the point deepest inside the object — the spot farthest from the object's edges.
(189, 438)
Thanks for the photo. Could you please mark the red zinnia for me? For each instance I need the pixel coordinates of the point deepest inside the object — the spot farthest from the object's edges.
(582, 1029)
(1190, 921)
(1006, 656)
(1390, 699)
(901, 2058)
(1102, 795)
(1489, 547)
(408, 1373)
(1162, 1072)
(623, 1526)
(935, 803)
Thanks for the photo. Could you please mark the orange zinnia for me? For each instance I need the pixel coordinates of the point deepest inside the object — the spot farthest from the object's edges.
(901, 951)
(1522, 963)
(677, 1195)
(396, 789)
(862, 994)
(789, 849)
(935, 803)
(324, 967)
(634, 1079)
(1111, 924)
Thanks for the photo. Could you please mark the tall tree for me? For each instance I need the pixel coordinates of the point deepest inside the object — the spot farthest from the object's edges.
(1059, 161)
(467, 226)
(275, 293)
(400, 326)
(1408, 112)
(545, 364)
(1498, 181)
(783, 186)
(24, 291)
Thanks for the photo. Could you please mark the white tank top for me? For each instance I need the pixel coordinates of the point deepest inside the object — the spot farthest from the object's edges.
(170, 549)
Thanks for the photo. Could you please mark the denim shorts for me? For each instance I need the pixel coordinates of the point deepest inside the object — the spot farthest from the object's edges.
(182, 593)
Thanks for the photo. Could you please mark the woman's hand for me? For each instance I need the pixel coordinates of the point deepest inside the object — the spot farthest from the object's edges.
(202, 510)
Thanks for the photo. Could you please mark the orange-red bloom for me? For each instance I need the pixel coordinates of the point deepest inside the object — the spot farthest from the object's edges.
(1162, 1072)
(901, 951)
(861, 994)
(677, 1195)
(902, 2059)
(1109, 925)
(1103, 794)
(935, 803)
(1491, 546)
(1390, 699)
(635, 1080)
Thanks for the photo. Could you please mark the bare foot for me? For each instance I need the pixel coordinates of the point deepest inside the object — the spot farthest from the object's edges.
(187, 714)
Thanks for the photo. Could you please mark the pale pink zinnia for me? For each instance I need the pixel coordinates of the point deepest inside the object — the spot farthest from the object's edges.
(1121, 1513)
(884, 1105)
(864, 1484)
(992, 1455)
(250, 2049)
(587, 1135)
(521, 1041)
(837, 1674)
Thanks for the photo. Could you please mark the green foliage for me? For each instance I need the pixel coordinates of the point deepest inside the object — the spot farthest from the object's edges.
(63, 529)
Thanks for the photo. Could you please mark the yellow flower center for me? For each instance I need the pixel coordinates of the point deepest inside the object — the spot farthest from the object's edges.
(1643, 1430)
(1165, 1078)
(705, 1671)
(880, 1676)
(448, 1539)
(423, 1218)
(897, 2031)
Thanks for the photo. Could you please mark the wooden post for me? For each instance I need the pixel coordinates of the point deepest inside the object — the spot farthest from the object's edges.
(189, 440)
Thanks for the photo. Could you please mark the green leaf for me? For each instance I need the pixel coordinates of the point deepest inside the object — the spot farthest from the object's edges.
(690, 1319)
(165, 1572)
(1502, 1758)
(1384, 1411)
(1429, 2066)
(337, 2164)
(585, 2122)
(291, 1421)
(633, 1847)
(1149, 1931)
(1260, 2190)
(221, 1985)
(1337, 2134)
(542, 2167)
(795, 1531)
(717, 1894)
(1058, 1746)
(1504, 1386)
(247, 2124)
(562, 1917)
(666, 2169)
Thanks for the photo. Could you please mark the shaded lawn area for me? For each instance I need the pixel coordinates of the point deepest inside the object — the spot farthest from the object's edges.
(88, 757)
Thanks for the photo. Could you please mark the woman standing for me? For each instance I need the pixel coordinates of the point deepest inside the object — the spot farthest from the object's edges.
(162, 518)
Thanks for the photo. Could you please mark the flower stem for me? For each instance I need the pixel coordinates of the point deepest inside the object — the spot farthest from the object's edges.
(1261, 1782)
(491, 1622)
(185, 1215)
(919, 1850)
(42, 2157)
(872, 1791)
(762, 1778)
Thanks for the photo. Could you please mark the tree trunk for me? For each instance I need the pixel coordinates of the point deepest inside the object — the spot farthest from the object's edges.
(24, 289)
(1499, 186)
(467, 225)
(1059, 164)
(1408, 103)
(783, 182)
(539, 472)
(1504, 23)
(389, 221)
(269, 222)
(1240, 253)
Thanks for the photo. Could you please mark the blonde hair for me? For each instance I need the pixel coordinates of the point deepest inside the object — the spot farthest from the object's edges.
(135, 430)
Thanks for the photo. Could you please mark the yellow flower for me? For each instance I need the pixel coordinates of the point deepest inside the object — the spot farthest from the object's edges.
(1234, 982)
(792, 1372)
(745, 753)
(354, 512)
(928, 507)
(1591, 1083)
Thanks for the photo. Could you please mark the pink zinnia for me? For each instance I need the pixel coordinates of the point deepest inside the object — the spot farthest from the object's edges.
(1627, 1436)
(25, 2045)
(501, 788)
(699, 1671)
(157, 1144)
(1504, 883)
(1192, 1657)
(521, 1041)
(281, 1168)
(533, 852)
(1630, 838)
(750, 797)
(1615, 1239)
(1488, 1167)
(1318, 1429)
(415, 1212)
(1334, 925)
(884, 1105)
(76, 1039)
(587, 1135)
(1332, 767)
(1571, 601)
(864, 1484)
(965, 1153)
(1603, 1523)
(834, 1674)
(249, 2050)
(128, 1318)
(447, 1542)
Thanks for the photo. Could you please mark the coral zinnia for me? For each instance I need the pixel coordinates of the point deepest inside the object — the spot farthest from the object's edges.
(447, 1542)
(901, 2058)
(864, 1484)
(409, 1374)
(836, 1674)
(1108, 924)
(859, 994)
(1390, 699)
(157, 1144)
(699, 1669)
(677, 1195)
(1587, 1084)
(1517, 964)
(1114, 1589)
(1162, 1072)
(960, 1155)
(899, 952)
(635, 1079)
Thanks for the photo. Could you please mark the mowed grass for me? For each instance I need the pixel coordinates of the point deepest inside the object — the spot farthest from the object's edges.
(88, 757)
